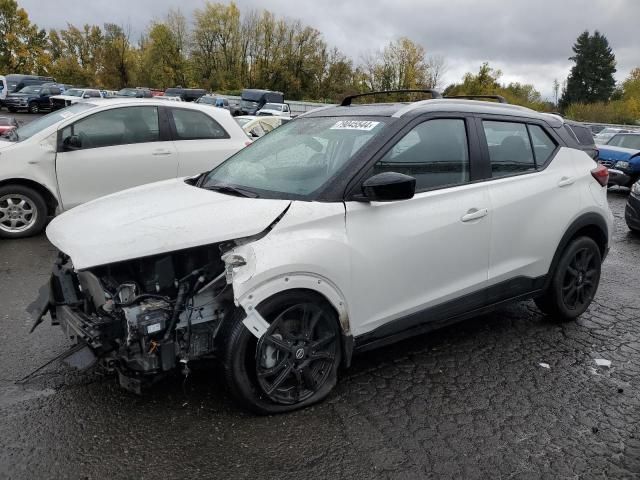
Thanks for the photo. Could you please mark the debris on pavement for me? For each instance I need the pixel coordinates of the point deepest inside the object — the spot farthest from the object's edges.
(601, 362)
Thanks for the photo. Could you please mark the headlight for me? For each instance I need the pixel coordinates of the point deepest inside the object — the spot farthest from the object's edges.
(622, 165)
(635, 189)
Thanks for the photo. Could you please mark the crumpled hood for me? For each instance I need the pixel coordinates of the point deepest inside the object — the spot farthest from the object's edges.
(157, 218)
(608, 152)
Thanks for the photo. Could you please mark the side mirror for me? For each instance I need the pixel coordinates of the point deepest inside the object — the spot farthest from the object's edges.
(387, 187)
(71, 143)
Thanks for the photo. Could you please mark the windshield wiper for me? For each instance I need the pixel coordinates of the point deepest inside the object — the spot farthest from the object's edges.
(231, 190)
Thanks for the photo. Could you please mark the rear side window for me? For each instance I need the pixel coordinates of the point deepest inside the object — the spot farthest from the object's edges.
(435, 153)
(510, 151)
(195, 125)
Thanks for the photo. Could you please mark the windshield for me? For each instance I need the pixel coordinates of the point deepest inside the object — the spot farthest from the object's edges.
(74, 92)
(297, 159)
(625, 141)
(41, 123)
(272, 106)
(31, 89)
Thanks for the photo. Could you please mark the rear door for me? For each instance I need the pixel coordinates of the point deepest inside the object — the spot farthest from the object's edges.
(534, 197)
(202, 143)
(113, 150)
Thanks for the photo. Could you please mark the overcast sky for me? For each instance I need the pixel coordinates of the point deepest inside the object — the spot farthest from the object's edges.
(529, 40)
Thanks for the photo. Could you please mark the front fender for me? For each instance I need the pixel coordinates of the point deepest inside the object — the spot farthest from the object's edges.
(251, 298)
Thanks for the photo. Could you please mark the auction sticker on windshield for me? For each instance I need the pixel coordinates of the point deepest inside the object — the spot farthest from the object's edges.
(365, 125)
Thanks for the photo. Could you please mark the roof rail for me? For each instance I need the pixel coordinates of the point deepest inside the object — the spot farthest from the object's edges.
(500, 98)
(346, 101)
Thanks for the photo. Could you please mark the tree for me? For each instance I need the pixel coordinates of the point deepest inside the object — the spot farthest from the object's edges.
(591, 78)
(556, 91)
(22, 44)
(119, 58)
(76, 54)
(401, 65)
(485, 82)
(162, 62)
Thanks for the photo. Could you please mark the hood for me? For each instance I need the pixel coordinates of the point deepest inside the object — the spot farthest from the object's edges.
(157, 218)
(614, 154)
(21, 95)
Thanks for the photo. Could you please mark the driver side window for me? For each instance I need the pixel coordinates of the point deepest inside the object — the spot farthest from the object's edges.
(435, 153)
(118, 126)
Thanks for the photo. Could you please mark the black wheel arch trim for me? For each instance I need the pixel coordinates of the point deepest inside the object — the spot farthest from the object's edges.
(587, 223)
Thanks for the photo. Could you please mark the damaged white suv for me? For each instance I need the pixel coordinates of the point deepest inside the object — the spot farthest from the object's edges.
(345, 229)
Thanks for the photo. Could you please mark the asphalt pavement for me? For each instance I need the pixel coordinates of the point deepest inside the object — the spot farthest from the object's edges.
(475, 400)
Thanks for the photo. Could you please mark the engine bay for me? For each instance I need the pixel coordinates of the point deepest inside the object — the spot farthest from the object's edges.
(148, 316)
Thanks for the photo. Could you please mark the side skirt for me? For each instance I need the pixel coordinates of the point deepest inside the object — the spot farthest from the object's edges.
(450, 312)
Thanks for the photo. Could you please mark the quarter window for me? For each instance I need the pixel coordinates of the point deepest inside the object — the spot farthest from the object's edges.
(510, 150)
(193, 125)
(118, 126)
(435, 153)
(543, 146)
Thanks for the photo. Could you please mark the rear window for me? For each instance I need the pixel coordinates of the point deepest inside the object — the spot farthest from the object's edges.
(195, 125)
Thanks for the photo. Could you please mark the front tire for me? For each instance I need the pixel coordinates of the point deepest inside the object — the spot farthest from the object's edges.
(574, 282)
(34, 108)
(294, 364)
(23, 212)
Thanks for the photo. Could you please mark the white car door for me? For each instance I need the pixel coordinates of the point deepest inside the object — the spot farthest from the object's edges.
(534, 198)
(202, 143)
(110, 151)
(429, 253)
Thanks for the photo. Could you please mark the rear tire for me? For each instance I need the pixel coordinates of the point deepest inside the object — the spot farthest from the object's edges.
(574, 282)
(23, 212)
(294, 364)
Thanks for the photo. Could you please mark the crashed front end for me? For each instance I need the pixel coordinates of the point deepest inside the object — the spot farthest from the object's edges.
(143, 317)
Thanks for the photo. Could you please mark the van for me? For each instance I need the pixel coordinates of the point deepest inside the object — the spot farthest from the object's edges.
(253, 100)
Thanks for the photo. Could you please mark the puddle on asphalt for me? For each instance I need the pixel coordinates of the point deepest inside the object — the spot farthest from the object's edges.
(11, 394)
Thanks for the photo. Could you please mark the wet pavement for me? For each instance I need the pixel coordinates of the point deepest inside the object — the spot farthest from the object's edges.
(470, 401)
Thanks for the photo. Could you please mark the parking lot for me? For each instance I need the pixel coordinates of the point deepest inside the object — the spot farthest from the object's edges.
(469, 401)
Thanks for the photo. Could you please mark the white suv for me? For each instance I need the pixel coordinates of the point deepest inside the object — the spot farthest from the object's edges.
(100, 146)
(343, 230)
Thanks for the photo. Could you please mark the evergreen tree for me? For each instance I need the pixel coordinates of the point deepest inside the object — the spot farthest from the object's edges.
(591, 78)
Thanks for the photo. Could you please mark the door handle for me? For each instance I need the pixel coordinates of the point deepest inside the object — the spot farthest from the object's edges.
(474, 214)
(566, 181)
(161, 151)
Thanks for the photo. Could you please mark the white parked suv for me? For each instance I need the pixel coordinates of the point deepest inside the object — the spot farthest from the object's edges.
(345, 229)
(99, 146)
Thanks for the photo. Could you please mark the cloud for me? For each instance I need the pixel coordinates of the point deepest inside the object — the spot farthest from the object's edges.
(529, 41)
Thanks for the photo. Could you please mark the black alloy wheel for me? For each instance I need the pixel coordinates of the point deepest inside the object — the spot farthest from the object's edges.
(574, 282)
(297, 354)
(294, 363)
(578, 286)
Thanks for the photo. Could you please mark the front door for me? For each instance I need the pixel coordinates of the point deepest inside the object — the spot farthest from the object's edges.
(110, 151)
(429, 252)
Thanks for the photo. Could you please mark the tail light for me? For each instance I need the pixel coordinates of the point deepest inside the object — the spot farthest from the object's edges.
(601, 174)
